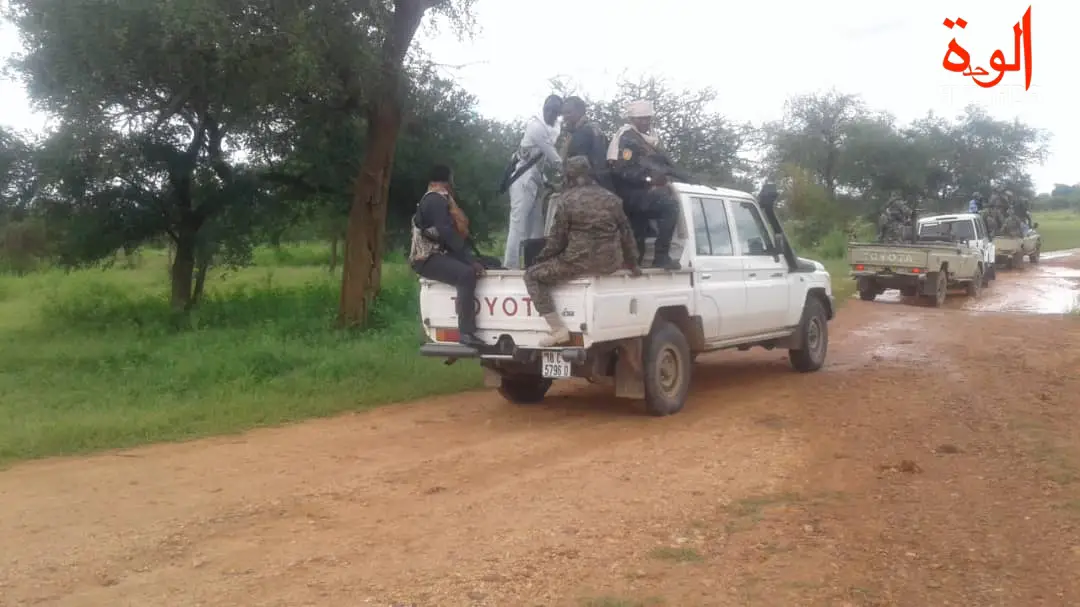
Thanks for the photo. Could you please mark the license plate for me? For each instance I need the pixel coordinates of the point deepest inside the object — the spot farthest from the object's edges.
(553, 366)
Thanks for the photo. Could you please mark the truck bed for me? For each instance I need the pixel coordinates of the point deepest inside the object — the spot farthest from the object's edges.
(603, 308)
(897, 255)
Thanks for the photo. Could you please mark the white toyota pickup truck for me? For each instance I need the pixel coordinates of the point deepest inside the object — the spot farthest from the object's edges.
(741, 286)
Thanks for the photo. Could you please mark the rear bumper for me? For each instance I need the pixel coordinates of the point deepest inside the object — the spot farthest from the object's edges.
(521, 355)
(448, 351)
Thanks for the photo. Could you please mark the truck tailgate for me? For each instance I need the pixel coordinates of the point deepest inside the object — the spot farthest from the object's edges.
(503, 307)
(885, 256)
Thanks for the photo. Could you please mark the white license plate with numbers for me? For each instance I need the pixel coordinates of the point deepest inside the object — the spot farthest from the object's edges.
(553, 366)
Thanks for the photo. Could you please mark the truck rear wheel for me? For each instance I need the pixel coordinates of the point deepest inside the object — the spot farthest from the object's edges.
(1034, 257)
(667, 364)
(813, 334)
(868, 289)
(524, 389)
(942, 289)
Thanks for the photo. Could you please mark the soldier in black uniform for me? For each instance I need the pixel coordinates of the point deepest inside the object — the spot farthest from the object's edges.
(586, 138)
(641, 171)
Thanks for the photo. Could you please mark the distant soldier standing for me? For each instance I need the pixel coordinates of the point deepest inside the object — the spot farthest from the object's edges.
(590, 236)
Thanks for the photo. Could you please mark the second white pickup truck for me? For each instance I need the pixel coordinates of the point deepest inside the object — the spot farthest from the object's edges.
(741, 286)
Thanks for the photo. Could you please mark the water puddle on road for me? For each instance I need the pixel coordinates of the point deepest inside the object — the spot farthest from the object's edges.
(1033, 290)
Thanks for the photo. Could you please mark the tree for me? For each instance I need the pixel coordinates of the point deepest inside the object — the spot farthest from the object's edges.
(17, 177)
(700, 140)
(154, 99)
(812, 134)
(383, 112)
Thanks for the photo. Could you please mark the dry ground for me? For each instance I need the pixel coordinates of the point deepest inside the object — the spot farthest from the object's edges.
(934, 461)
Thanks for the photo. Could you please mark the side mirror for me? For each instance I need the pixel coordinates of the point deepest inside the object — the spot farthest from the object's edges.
(768, 195)
(756, 246)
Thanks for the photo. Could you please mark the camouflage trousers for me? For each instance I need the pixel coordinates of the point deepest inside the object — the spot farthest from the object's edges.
(540, 282)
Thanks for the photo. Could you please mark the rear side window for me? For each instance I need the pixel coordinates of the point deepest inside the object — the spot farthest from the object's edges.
(980, 229)
(958, 229)
(711, 230)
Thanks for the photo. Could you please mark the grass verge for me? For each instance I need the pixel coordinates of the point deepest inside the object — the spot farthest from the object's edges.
(94, 359)
(1060, 230)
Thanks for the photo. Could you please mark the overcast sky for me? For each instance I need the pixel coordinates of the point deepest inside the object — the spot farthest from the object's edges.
(758, 53)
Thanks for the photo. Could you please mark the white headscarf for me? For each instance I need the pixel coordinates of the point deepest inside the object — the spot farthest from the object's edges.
(641, 108)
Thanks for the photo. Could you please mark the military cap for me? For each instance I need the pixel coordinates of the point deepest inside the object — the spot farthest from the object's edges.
(577, 166)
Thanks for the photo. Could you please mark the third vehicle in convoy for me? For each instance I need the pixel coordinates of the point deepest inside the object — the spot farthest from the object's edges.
(1011, 250)
(947, 252)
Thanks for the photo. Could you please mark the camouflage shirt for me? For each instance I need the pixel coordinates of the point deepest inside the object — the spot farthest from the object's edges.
(590, 234)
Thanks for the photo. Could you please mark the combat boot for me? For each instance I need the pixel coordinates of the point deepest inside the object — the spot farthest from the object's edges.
(559, 334)
(666, 263)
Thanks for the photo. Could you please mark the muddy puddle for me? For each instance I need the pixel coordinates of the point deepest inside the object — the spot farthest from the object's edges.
(1031, 290)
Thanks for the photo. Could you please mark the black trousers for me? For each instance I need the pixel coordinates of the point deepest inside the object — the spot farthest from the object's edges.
(456, 273)
(644, 205)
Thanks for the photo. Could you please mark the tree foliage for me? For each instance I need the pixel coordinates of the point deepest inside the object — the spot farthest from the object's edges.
(219, 124)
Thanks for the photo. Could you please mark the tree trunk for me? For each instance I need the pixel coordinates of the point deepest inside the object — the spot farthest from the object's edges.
(183, 269)
(365, 235)
(202, 267)
(366, 231)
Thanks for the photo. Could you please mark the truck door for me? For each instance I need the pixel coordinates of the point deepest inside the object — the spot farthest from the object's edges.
(718, 272)
(766, 274)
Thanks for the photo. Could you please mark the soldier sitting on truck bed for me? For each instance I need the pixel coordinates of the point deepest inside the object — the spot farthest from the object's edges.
(1013, 227)
(892, 219)
(590, 236)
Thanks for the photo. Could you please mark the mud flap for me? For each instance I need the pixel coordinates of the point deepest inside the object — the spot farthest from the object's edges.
(929, 286)
(492, 378)
(629, 374)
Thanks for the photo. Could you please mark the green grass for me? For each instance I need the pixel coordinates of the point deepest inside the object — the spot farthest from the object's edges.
(1059, 230)
(94, 359)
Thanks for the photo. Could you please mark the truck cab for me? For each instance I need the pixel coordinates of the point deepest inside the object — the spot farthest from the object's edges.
(741, 286)
(965, 228)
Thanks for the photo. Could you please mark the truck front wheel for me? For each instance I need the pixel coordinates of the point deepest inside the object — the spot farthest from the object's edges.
(813, 334)
(667, 363)
(974, 288)
(524, 389)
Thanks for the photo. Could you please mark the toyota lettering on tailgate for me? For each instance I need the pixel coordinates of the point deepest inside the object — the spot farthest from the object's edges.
(898, 258)
(509, 306)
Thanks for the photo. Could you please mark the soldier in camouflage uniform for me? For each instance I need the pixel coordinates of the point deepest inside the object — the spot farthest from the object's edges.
(590, 236)
(1012, 226)
(892, 219)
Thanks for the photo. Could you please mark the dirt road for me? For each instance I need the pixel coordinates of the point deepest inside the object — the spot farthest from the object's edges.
(935, 461)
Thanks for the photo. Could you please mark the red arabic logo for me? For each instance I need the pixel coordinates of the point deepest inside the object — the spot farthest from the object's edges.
(1021, 48)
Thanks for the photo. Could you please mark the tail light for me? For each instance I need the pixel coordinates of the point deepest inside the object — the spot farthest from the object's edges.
(447, 335)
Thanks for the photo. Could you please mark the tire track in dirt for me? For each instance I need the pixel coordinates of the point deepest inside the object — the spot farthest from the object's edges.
(768, 489)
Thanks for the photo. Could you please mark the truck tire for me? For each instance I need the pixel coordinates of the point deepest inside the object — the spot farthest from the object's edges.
(813, 333)
(524, 389)
(867, 288)
(974, 288)
(942, 289)
(666, 364)
(1034, 257)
